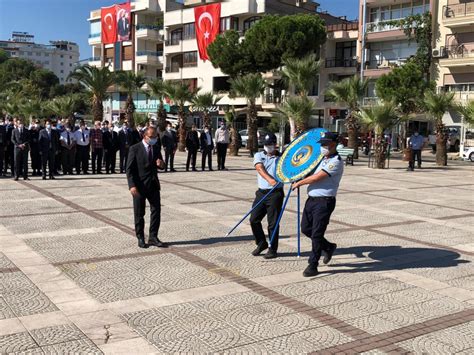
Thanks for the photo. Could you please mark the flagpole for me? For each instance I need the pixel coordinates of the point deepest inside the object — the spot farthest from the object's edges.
(298, 223)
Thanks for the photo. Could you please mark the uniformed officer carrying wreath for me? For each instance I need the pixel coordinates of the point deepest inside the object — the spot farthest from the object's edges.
(265, 164)
(322, 190)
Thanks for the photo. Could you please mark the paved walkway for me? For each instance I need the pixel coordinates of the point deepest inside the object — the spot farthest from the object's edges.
(73, 280)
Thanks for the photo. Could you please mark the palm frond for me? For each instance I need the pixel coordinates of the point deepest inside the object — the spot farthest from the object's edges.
(301, 73)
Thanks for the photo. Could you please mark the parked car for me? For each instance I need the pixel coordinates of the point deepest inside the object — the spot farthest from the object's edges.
(468, 153)
(454, 135)
(245, 136)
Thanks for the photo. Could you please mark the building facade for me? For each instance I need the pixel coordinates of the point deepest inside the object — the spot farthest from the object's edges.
(58, 56)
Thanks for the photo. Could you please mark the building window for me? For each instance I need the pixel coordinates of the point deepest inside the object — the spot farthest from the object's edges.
(176, 36)
(127, 53)
(70, 64)
(346, 50)
(190, 59)
(189, 31)
(30, 54)
(46, 62)
(250, 21)
(70, 57)
(62, 71)
(62, 56)
(229, 23)
(176, 63)
(220, 83)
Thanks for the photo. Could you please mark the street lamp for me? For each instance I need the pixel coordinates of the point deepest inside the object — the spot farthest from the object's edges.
(282, 123)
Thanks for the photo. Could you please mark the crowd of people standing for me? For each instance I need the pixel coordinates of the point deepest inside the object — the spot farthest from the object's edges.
(55, 147)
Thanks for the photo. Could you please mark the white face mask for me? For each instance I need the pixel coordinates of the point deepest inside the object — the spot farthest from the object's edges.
(168, 129)
(269, 148)
(324, 151)
(206, 131)
(416, 134)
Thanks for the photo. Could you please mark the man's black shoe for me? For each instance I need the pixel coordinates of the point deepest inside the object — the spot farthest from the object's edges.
(141, 243)
(44, 177)
(271, 254)
(329, 253)
(16, 179)
(157, 243)
(26, 178)
(311, 270)
(194, 169)
(261, 247)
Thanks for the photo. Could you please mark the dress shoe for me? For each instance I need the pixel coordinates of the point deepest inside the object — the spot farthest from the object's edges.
(141, 243)
(329, 253)
(311, 270)
(52, 177)
(271, 254)
(157, 243)
(211, 169)
(173, 170)
(44, 177)
(16, 179)
(194, 169)
(261, 247)
(26, 178)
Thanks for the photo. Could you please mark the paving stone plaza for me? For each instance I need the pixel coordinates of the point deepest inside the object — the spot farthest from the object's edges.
(74, 281)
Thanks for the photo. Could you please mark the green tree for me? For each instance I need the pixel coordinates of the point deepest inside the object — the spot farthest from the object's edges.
(3, 56)
(64, 107)
(158, 89)
(97, 81)
(300, 74)
(180, 93)
(203, 103)
(298, 110)
(230, 117)
(379, 118)
(436, 105)
(250, 86)
(267, 44)
(44, 79)
(349, 92)
(467, 112)
(131, 83)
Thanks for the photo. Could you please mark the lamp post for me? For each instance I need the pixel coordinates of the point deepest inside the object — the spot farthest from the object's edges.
(281, 143)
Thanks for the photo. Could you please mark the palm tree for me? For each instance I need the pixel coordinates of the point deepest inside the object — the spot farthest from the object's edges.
(467, 112)
(436, 105)
(250, 86)
(159, 89)
(130, 83)
(203, 103)
(180, 93)
(379, 118)
(349, 92)
(301, 73)
(32, 107)
(97, 81)
(298, 110)
(64, 107)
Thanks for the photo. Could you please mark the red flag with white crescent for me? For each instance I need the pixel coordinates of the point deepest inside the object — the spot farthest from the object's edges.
(124, 20)
(108, 17)
(207, 23)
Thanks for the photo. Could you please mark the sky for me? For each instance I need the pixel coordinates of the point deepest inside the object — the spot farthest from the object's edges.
(67, 19)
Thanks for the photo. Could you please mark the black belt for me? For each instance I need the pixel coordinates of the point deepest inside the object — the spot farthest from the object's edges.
(265, 191)
(315, 198)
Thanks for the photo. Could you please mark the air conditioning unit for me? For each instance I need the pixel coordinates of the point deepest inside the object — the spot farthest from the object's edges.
(439, 52)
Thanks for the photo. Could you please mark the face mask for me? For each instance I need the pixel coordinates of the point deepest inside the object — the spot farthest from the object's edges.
(20, 126)
(152, 141)
(48, 126)
(269, 148)
(168, 129)
(324, 151)
(206, 131)
(124, 128)
(68, 129)
(416, 134)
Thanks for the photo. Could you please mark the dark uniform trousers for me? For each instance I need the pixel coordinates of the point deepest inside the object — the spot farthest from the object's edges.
(123, 158)
(221, 155)
(82, 158)
(48, 159)
(207, 153)
(97, 155)
(10, 158)
(415, 156)
(153, 197)
(192, 156)
(316, 215)
(271, 208)
(2, 158)
(169, 159)
(110, 160)
(21, 162)
(68, 159)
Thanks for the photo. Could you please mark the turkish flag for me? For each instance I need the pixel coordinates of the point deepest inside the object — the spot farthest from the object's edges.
(207, 22)
(108, 17)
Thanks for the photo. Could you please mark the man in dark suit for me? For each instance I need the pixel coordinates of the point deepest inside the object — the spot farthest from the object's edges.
(192, 145)
(207, 146)
(3, 144)
(9, 150)
(125, 142)
(170, 144)
(48, 145)
(34, 148)
(143, 162)
(123, 26)
(111, 145)
(21, 143)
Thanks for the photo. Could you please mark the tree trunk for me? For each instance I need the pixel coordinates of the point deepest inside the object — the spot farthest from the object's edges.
(97, 109)
(234, 144)
(380, 153)
(351, 126)
(161, 117)
(441, 141)
(252, 141)
(182, 129)
(301, 127)
(207, 119)
(129, 111)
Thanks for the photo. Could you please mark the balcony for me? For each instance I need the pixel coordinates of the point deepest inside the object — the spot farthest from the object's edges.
(94, 61)
(343, 31)
(370, 101)
(383, 31)
(149, 58)
(378, 67)
(463, 97)
(341, 63)
(149, 32)
(458, 15)
(458, 55)
(94, 38)
(174, 68)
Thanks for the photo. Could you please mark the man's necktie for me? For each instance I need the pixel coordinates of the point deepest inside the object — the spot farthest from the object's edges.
(150, 154)
(68, 139)
(83, 137)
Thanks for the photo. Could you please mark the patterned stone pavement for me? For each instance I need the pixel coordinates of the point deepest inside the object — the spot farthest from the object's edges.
(74, 281)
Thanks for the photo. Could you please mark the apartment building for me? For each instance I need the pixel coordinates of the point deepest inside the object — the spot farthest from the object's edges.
(454, 50)
(58, 56)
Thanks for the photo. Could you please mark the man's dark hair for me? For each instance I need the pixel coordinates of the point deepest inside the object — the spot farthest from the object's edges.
(150, 128)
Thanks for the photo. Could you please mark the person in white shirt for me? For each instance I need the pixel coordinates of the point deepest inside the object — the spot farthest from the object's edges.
(68, 147)
(222, 142)
(81, 137)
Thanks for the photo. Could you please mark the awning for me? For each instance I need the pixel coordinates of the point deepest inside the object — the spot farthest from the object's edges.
(226, 100)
